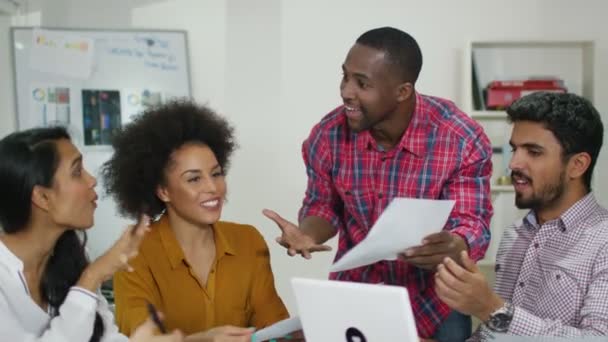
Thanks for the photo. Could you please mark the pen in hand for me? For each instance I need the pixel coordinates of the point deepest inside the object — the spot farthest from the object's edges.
(156, 319)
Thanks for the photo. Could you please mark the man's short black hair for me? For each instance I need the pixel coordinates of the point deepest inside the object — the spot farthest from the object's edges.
(400, 48)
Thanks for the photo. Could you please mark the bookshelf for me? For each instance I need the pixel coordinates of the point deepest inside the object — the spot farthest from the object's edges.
(572, 61)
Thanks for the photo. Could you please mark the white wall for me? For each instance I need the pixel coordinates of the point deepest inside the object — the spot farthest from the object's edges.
(89, 14)
(273, 67)
(7, 106)
(7, 96)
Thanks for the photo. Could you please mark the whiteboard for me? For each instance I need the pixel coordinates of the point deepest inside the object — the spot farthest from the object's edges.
(130, 70)
(92, 93)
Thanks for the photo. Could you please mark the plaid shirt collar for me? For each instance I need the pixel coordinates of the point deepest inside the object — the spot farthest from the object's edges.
(569, 219)
(419, 126)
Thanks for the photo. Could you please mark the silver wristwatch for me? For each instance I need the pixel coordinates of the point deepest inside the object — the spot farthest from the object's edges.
(500, 319)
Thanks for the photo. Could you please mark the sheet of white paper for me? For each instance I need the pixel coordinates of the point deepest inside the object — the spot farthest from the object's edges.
(278, 330)
(62, 53)
(403, 224)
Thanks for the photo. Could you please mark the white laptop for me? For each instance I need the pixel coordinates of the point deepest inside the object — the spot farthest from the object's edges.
(335, 311)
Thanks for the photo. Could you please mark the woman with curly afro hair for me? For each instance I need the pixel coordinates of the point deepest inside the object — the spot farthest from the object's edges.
(211, 279)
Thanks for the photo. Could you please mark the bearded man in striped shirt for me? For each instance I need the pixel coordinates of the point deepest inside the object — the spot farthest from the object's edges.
(552, 265)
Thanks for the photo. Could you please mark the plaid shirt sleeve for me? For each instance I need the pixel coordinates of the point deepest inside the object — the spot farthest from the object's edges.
(593, 314)
(321, 199)
(470, 187)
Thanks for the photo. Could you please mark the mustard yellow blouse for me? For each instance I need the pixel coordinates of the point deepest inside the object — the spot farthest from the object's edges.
(240, 289)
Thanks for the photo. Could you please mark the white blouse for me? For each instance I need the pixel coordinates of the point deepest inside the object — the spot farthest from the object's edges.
(22, 320)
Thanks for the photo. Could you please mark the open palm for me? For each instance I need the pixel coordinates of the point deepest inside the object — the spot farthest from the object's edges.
(293, 238)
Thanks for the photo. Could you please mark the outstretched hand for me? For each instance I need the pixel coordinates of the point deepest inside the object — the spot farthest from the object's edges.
(292, 238)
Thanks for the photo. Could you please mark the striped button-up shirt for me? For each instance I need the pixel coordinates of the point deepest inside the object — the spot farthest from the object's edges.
(556, 274)
(443, 154)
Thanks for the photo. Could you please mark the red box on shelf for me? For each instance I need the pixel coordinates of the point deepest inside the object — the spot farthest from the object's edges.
(501, 94)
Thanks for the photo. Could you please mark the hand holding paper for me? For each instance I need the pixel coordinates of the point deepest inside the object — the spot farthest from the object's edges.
(403, 224)
(434, 249)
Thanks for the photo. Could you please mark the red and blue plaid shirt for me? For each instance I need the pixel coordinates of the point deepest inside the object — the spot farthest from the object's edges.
(443, 154)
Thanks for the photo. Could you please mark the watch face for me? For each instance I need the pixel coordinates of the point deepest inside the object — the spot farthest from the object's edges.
(500, 322)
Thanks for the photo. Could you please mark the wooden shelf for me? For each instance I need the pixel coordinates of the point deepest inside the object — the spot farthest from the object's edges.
(502, 188)
(489, 115)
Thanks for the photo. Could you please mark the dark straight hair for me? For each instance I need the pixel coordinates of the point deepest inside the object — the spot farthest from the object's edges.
(29, 158)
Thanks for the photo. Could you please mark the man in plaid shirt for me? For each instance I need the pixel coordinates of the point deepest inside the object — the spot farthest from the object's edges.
(388, 141)
(551, 266)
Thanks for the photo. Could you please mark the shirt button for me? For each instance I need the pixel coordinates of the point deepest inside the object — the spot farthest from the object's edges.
(380, 195)
(557, 277)
(536, 245)
(521, 284)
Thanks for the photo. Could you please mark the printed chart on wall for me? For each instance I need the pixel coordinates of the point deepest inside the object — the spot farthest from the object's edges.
(50, 105)
(95, 81)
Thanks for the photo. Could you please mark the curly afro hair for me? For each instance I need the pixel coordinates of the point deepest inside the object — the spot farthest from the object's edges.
(142, 151)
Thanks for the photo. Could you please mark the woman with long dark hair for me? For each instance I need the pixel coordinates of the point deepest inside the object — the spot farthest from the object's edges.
(48, 288)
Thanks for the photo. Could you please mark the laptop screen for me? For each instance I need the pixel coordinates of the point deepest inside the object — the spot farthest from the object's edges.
(353, 312)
